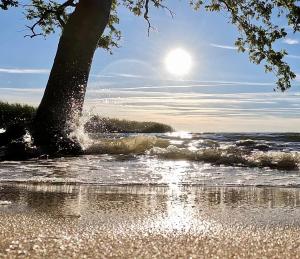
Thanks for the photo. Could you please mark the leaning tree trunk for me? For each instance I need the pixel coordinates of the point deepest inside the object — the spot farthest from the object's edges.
(64, 95)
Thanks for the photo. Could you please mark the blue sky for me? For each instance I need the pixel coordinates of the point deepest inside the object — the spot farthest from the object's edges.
(222, 92)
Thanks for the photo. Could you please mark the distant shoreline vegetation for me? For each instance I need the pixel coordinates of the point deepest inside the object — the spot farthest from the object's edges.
(98, 124)
(17, 113)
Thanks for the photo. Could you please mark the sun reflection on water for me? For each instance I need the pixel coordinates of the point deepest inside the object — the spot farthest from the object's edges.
(180, 214)
(181, 135)
(174, 176)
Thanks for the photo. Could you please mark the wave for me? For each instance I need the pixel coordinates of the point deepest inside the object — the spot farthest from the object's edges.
(243, 153)
(283, 137)
(232, 157)
(129, 145)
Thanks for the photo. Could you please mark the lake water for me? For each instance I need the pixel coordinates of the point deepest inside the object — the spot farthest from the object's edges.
(179, 158)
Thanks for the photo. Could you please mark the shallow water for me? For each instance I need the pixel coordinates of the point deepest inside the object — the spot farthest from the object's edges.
(180, 158)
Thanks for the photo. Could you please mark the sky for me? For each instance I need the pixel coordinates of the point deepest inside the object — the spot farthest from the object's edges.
(223, 91)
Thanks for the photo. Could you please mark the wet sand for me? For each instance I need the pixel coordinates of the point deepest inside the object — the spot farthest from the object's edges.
(63, 221)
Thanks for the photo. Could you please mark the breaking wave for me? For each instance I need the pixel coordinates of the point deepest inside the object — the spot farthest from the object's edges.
(241, 153)
(130, 145)
(231, 157)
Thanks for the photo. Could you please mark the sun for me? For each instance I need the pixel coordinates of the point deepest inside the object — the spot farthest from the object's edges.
(178, 62)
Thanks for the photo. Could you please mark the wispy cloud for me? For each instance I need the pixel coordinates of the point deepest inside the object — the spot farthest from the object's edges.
(238, 83)
(220, 46)
(290, 41)
(113, 75)
(128, 75)
(293, 56)
(31, 90)
(101, 76)
(24, 71)
(198, 84)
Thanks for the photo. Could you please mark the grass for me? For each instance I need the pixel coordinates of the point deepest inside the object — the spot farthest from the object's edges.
(15, 113)
(99, 124)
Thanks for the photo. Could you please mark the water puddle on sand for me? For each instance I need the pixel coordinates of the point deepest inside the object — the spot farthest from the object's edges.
(157, 208)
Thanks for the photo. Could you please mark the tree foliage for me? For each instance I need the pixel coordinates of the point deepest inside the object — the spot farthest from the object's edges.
(258, 22)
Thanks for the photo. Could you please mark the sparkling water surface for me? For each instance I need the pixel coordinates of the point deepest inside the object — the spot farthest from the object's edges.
(204, 159)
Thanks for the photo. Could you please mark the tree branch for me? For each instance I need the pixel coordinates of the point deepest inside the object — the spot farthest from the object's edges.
(56, 11)
(147, 17)
(156, 4)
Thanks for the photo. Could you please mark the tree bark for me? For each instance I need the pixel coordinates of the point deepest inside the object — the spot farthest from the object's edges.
(64, 95)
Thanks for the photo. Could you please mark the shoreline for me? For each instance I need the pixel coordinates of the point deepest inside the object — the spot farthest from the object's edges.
(48, 220)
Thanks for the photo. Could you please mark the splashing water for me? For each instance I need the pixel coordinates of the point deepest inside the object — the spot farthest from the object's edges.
(78, 131)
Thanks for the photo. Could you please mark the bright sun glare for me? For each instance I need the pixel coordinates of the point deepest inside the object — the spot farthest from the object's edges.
(178, 62)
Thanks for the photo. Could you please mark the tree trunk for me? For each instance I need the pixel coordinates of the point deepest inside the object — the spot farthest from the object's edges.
(63, 99)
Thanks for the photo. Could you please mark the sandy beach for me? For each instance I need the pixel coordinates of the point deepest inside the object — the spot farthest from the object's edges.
(63, 221)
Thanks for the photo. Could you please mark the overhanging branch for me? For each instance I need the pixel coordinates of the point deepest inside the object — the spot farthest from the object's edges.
(46, 12)
(156, 3)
